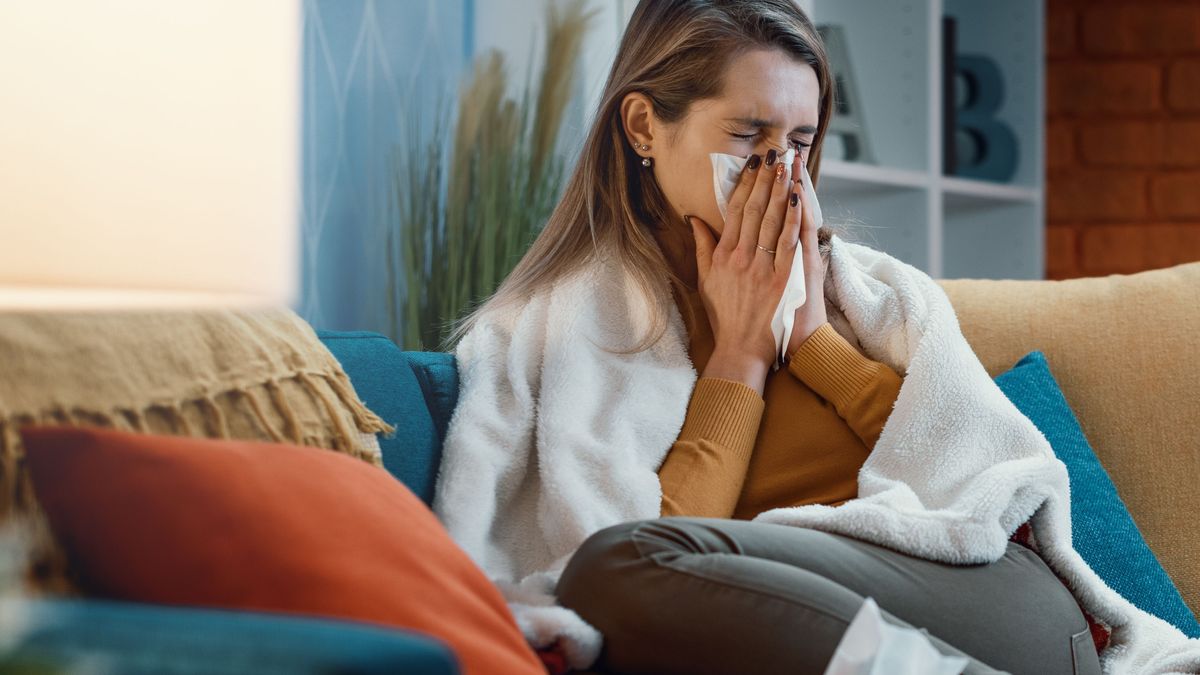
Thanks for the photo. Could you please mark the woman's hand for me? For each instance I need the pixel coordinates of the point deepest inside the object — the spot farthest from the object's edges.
(811, 314)
(740, 283)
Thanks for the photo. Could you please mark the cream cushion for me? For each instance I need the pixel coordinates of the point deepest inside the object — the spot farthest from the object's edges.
(1125, 350)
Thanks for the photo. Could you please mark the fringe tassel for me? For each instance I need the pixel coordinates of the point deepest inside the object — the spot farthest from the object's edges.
(59, 416)
(137, 421)
(285, 409)
(366, 420)
(257, 409)
(47, 568)
(216, 421)
(216, 418)
(8, 466)
(345, 440)
(184, 425)
(24, 499)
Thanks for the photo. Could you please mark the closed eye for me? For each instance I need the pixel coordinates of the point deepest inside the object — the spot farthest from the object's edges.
(799, 144)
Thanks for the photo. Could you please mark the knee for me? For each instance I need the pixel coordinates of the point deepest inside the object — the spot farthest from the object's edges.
(617, 582)
(599, 564)
(1057, 604)
(616, 570)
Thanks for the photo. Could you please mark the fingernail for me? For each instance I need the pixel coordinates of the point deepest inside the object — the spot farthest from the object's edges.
(753, 162)
(687, 220)
(795, 198)
(771, 155)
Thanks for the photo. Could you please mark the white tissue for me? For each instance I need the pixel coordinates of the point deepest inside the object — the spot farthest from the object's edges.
(871, 646)
(726, 170)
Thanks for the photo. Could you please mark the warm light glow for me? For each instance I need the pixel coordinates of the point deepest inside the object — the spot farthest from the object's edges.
(149, 153)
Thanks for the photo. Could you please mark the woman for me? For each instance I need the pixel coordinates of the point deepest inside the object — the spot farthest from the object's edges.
(701, 589)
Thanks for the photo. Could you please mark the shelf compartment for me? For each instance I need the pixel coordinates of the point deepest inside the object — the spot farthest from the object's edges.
(889, 60)
(1011, 34)
(889, 218)
(1001, 241)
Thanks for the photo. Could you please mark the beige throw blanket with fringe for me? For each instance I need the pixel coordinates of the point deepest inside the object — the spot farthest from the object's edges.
(259, 375)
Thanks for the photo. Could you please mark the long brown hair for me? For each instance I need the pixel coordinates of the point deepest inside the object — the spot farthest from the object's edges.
(675, 52)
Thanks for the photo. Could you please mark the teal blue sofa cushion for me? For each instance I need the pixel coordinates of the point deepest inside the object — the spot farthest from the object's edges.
(1103, 531)
(437, 374)
(413, 391)
(145, 639)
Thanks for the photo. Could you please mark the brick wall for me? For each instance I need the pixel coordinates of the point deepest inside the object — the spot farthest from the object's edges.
(1122, 135)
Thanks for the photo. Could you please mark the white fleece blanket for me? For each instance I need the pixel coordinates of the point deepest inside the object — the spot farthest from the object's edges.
(553, 439)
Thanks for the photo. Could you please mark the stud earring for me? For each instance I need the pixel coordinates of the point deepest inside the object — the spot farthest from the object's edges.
(647, 162)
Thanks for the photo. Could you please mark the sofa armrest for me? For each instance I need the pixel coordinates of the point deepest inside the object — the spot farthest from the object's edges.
(385, 380)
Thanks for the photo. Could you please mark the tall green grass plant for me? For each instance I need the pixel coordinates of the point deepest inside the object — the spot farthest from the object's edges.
(465, 208)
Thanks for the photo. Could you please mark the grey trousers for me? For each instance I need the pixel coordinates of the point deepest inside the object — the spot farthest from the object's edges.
(714, 595)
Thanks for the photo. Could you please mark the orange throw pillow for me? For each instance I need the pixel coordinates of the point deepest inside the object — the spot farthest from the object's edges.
(265, 526)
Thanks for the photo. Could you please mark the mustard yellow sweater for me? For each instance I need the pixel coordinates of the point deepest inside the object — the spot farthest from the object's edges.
(801, 442)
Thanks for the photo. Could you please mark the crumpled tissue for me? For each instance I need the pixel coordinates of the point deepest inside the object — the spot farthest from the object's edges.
(871, 646)
(726, 170)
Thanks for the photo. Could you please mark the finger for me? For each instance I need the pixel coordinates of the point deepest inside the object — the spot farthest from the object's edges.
(789, 238)
(814, 263)
(756, 207)
(705, 244)
(772, 222)
(737, 202)
(808, 229)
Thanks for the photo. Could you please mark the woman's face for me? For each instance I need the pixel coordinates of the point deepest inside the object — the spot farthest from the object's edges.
(770, 101)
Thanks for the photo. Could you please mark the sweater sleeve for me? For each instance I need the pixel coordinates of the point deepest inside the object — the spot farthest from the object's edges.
(703, 472)
(863, 391)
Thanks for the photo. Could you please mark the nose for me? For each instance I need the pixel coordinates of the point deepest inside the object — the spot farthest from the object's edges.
(778, 148)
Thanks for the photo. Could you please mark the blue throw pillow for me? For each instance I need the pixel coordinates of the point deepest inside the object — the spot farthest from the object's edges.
(1103, 531)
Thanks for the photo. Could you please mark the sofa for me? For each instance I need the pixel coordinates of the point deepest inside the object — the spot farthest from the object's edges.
(1120, 348)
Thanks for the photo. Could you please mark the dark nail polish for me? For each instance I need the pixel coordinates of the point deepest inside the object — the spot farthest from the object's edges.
(795, 198)
(753, 162)
(771, 155)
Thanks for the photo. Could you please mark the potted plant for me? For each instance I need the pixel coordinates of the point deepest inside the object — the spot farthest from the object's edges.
(445, 249)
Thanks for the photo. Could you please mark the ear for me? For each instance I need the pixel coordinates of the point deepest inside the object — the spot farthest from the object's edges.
(637, 116)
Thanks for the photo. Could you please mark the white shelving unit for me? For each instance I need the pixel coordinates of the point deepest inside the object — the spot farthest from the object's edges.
(950, 227)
